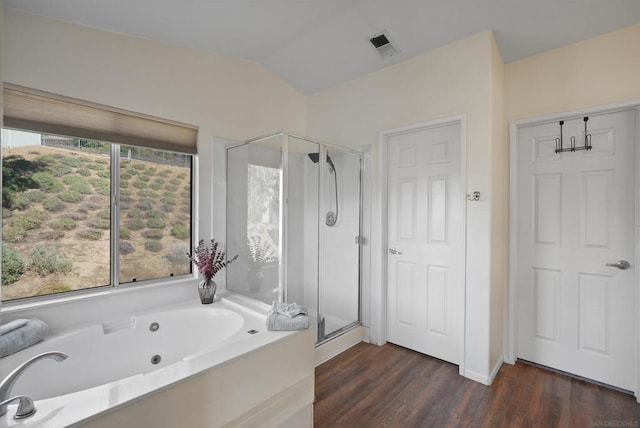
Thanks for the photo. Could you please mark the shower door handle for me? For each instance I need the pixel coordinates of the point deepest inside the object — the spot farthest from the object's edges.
(394, 251)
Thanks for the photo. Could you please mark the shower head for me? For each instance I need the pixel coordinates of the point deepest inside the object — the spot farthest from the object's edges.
(315, 157)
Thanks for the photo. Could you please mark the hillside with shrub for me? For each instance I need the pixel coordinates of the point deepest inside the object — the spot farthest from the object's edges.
(56, 215)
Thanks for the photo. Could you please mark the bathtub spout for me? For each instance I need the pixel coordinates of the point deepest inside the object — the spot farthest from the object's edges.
(7, 383)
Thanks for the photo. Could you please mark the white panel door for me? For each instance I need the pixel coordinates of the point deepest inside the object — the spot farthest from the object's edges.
(425, 240)
(576, 214)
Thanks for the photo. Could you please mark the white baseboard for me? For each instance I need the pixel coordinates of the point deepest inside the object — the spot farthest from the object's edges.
(336, 346)
(482, 378)
(495, 370)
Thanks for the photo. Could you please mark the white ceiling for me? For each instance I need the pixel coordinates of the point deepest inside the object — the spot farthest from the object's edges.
(317, 44)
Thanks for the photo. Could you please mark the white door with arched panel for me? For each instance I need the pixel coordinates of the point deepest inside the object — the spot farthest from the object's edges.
(576, 220)
(425, 238)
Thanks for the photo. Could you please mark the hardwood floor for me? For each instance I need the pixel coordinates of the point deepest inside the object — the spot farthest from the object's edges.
(390, 386)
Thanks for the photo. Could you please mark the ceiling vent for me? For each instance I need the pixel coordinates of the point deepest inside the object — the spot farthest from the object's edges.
(383, 45)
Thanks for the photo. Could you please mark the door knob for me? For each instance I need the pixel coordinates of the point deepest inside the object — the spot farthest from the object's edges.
(394, 251)
(620, 264)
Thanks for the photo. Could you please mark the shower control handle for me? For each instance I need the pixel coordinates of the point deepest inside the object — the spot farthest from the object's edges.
(394, 251)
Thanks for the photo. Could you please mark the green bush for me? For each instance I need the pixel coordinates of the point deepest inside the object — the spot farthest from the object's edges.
(169, 194)
(36, 195)
(166, 208)
(180, 231)
(172, 188)
(20, 201)
(60, 170)
(99, 182)
(153, 234)
(50, 235)
(12, 265)
(105, 214)
(125, 193)
(124, 233)
(138, 166)
(135, 224)
(104, 191)
(135, 213)
(90, 234)
(146, 193)
(124, 183)
(83, 172)
(72, 162)
(186, 193)
(53, 204)
(150, 171)
(159, 181)
(155, 223)
(95, 166)
(104, 174)
(126, 247)
(13, 234)
(6, 213)
(182, 176)
(156, 214)
(145, 205)
(29, 221)
(169, 200)
(77, 184)
(153, 246)
(64, 223)
(140, 184)
(83, 188)
(164, 173)
(98, 223)
(101, 161)
(144, 178)
(47, 260)
(155, 186)
(54, 289)
(70, 196)
(48, 182)
(48, 159)
(175, 181)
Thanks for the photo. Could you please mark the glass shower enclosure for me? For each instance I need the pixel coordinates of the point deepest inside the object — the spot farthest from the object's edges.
(294, 209)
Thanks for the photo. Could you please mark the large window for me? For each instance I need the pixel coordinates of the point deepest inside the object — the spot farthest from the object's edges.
(60, 229)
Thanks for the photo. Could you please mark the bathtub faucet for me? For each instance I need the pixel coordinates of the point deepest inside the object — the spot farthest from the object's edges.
(7, 383)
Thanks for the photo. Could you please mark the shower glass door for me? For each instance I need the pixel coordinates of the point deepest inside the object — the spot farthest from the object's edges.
(339, 222)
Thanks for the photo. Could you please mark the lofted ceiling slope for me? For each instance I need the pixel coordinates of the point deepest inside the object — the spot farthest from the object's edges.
(316, 44)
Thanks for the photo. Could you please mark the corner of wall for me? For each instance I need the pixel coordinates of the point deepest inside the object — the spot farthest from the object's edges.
(499, 209)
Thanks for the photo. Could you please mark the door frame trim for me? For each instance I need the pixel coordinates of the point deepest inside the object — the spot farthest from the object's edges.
(511, 339)
(378, 328)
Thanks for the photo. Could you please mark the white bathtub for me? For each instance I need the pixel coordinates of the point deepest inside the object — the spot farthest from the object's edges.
(116, 361)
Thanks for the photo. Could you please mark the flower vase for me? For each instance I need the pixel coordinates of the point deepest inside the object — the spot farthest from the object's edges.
(207, 290)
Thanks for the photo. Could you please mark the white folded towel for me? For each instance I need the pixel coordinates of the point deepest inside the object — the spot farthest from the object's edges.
(287, 317)
(12, 325)
(288, 309)
(18, 338)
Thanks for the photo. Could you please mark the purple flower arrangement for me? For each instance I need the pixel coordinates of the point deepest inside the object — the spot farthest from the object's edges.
(208, 259)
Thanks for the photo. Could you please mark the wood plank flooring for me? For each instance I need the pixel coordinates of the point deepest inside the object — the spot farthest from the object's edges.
(390, 386)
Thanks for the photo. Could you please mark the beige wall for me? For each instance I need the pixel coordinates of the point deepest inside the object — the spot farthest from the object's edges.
(456, 79)
(226, 97)
(592, 72)
(499, 209)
